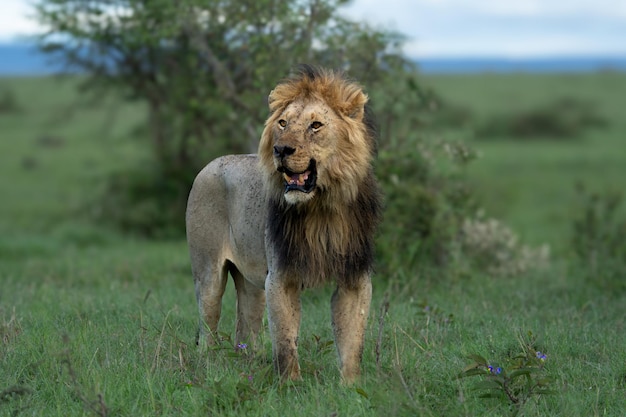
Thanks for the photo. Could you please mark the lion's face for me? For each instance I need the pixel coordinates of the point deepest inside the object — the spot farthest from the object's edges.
(304, 142)
(316, 147)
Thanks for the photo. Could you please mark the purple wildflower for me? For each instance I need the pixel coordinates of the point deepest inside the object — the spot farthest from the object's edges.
(495, 371)
(241, 345)
(541, 356)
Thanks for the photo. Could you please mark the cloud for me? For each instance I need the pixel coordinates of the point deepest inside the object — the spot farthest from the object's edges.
(491, 28)
(16, 19)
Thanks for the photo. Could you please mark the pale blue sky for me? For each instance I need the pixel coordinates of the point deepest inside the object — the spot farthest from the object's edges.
(524, 28)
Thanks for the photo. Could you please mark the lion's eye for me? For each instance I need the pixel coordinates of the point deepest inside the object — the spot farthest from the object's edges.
(316, 125)
(282, 122)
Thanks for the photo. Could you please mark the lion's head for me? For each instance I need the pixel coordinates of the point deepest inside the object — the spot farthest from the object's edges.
(316, 141)
(316, 155)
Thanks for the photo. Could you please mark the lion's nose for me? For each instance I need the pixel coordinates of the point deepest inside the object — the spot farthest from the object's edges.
(282, 151)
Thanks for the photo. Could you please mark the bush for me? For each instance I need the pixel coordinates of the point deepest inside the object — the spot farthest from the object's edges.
(426, 200)
(146, 201)
(433, 219)
(565, 118)
(490, 245)
(522, 376)
(8, 102)
(599, 238)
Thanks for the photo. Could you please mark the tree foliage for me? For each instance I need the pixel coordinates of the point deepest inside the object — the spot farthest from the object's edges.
(204, 67)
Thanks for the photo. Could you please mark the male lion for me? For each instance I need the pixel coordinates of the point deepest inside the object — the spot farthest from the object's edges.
(301, 213)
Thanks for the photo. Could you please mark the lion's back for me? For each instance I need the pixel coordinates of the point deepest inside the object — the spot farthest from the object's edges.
(226, 213)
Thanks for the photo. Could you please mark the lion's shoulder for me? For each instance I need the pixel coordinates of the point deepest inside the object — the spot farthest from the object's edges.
(228, 176)
(231, 166)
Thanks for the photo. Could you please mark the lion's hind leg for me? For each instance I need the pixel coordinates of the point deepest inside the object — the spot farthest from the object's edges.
(250, 309)
(350, 309)
(210, 285)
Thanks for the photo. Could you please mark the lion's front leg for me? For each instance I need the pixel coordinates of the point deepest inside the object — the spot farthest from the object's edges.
(350, 308)
(283, 313)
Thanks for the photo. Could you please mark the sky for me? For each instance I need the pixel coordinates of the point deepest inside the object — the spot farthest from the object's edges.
(460, 28)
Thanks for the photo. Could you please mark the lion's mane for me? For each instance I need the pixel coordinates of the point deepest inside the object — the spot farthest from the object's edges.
(330, 236)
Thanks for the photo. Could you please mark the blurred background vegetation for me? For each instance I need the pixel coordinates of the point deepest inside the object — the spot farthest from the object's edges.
(172, 85)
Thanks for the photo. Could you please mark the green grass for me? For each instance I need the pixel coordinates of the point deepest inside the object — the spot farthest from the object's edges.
(92, 319)
(56, 149)
(532, 185)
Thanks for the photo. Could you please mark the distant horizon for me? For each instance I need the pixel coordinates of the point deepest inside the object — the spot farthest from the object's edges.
(21, 58)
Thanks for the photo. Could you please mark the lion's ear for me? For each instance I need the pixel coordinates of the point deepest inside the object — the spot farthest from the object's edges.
(275, 100)
(355, 108)
(270, 98)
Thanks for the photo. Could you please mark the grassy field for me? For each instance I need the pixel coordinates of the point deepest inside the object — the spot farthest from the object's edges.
(531, 185)
(96, 323)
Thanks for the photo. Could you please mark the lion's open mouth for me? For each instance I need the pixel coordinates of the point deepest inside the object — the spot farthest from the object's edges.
(303, 181)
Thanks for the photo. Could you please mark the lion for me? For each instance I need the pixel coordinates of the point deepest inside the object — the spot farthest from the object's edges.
(301, 213)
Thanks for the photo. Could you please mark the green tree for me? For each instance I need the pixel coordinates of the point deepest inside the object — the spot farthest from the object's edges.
(204, 69)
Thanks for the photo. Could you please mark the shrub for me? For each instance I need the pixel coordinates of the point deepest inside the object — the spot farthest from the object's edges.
(565, 118)
(146, 201)
(599, 238)
(515, 381)
(8, 102)
(431, 219)
(492, 246)
(426, 199)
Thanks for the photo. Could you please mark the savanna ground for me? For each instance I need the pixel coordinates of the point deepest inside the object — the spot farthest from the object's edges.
(93, 322)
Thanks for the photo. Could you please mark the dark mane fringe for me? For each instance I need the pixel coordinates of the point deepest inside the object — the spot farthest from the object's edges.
(307, 70)
(312, 265)
(371, 127)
